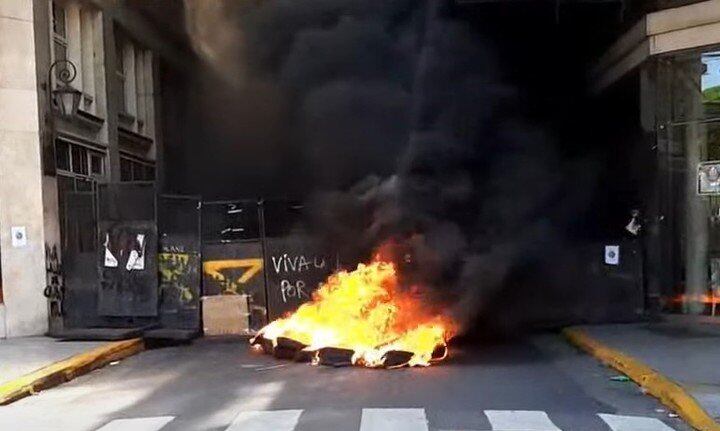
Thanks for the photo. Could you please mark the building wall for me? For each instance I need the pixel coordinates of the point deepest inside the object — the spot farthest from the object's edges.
(673, 51)
(21, 199)
(117, 54)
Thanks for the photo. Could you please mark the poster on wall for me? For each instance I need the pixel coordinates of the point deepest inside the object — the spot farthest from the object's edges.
(127, 269)
(708, 178)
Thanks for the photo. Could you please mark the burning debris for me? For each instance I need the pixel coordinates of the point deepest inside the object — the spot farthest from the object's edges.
(362, 317)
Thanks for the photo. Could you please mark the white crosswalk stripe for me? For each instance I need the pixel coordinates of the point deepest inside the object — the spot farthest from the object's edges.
(396, 419)
(393, 420)
(634, 423)
(520, 420)
(276, 420)
(137, 424)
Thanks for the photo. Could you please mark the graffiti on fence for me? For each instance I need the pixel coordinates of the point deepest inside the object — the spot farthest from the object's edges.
(232, 274)
(177, 267)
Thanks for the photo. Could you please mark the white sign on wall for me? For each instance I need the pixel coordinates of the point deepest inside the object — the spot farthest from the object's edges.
(708, 177)
(19, 236)
(612, 254)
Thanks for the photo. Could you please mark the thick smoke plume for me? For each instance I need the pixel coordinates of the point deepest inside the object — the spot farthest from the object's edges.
(394, 115)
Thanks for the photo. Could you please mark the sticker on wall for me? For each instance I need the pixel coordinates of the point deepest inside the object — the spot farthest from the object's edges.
(19, 236)
(612, 254)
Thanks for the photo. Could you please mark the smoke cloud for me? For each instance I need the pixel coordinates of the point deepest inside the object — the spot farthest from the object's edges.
(394, 115)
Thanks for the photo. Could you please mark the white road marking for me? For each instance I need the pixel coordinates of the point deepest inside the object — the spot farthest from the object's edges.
(138, 424)
(520, 420)
(275, 420)
(393, 420)
(634, 423)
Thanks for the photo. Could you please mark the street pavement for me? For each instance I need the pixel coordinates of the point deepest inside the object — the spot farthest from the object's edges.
(535, 384)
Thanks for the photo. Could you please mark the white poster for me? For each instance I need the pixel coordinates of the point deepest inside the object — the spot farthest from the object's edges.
(136, 260)
(709, 178)
(110, 260)
(612, 254)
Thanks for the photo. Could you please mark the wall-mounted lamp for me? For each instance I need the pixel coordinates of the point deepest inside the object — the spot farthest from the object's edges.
(65, 98)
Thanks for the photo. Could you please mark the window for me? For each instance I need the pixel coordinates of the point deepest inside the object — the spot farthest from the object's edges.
(96, 164)
(134, 74)
(78, 159)
(59, 33)
(120, 69)
(88, 30)
(140, 89)
(136, 170)
(62, 155)
(710, 84)
(125, 169)
(75, 35)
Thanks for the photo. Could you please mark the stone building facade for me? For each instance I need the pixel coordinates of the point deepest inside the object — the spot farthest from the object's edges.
(114, 135)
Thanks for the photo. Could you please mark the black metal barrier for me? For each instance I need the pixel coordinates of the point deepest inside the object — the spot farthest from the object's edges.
(136, 258)
(258, 249)
(179, 261)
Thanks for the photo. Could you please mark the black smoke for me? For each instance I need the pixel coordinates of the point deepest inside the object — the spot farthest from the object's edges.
(392, 118)
(478, 193)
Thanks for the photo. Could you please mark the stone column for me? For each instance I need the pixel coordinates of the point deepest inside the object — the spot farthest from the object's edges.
(21, 200)
(696, 216)
(111, 96)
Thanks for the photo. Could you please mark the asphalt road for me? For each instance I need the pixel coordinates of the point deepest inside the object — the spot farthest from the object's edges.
(537, 384)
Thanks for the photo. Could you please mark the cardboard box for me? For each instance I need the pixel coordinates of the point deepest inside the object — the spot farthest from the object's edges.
(225, 315)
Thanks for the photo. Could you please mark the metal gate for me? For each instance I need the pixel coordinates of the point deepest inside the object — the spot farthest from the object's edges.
(296, 264)
(135, 259)
(79, 250)
(179, 261)
(259, 249)
(233, 261)
(127, 258)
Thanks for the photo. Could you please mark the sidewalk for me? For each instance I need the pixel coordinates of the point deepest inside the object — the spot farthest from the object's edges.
(20, 356)
(31, 364)
(683, 349)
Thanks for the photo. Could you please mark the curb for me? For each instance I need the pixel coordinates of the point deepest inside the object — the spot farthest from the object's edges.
(670, 393)
(68, 369)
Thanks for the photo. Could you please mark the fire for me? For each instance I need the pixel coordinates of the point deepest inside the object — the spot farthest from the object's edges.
(703, 298)
(364, 313)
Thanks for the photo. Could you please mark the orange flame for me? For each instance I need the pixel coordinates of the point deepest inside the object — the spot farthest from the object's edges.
(365, 311)
(703, 298)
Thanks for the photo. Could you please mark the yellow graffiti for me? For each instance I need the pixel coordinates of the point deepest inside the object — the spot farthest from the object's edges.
(173, 266)
(214, 268)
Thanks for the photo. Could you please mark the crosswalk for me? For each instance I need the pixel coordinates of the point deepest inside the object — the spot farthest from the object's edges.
(396, 419)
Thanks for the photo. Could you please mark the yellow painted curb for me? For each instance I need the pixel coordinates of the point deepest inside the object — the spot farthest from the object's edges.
(68, 369)
(671, 394)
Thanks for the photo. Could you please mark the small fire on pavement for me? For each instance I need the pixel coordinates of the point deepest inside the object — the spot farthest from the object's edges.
(701, 298)
(361, 317)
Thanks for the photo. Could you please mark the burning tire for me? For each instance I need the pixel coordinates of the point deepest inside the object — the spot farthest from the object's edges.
(363, 318)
